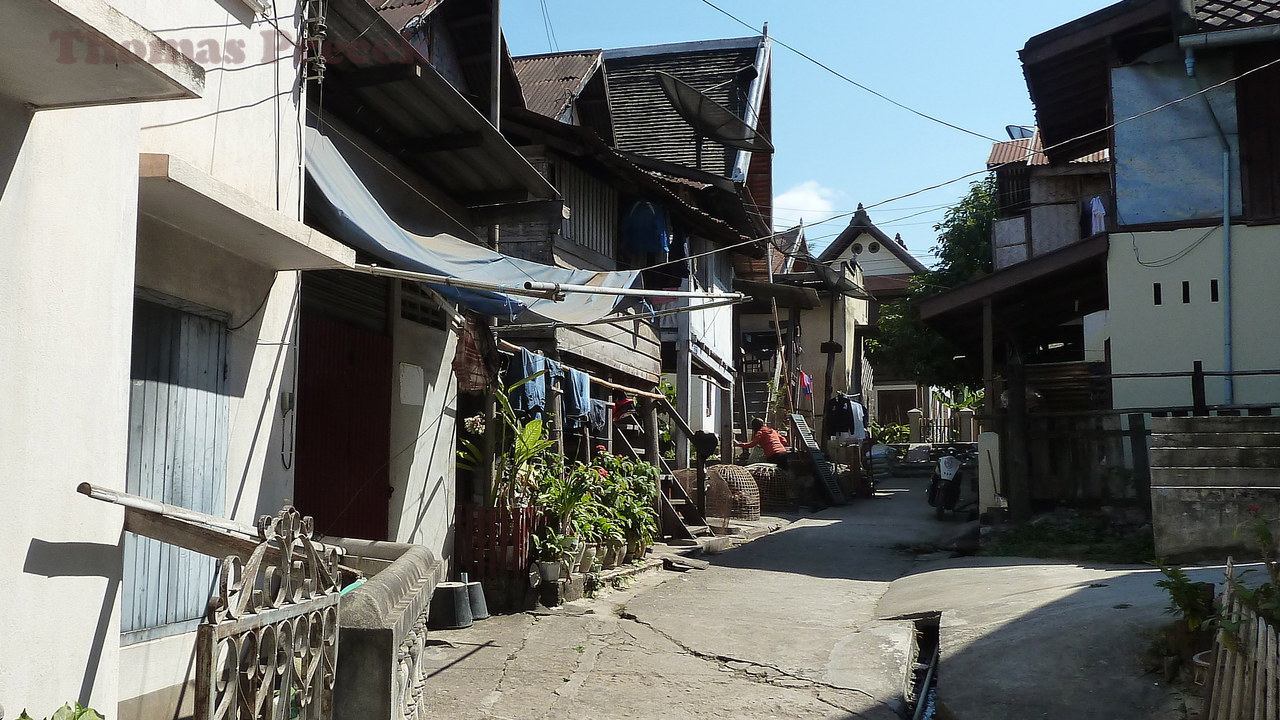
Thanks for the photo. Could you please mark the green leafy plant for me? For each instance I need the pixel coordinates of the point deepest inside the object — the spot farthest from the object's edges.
(562, 491)
(962, 397)
(1187, 598)
(70, 711)
(551, 546)
(890, 434)
(519, 466)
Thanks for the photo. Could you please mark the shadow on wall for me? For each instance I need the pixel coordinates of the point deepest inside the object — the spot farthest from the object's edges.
(436, 438)
(81, 559)
(269, 418)
(15, 121)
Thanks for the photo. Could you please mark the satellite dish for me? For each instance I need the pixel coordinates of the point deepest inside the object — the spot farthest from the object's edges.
(711, 119)
(1019, 132)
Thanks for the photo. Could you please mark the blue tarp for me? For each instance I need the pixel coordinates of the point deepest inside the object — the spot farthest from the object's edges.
(351, 212)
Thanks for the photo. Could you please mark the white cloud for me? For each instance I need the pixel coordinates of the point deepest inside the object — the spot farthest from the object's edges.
(809, 201)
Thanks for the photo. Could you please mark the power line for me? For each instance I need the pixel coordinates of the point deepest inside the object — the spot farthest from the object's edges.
(552, 44)
(848, 79)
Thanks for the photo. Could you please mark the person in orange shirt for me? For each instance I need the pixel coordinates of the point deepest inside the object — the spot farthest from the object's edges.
(770, 441)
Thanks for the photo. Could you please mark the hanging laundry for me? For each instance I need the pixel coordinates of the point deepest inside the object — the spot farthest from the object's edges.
(598, 418)
(530, 399)
(577, 396)
(806, 383)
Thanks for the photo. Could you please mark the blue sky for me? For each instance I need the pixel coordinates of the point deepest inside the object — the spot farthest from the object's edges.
(838, 145)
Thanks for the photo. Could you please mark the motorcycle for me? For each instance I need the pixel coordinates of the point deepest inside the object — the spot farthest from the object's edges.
(951, 487)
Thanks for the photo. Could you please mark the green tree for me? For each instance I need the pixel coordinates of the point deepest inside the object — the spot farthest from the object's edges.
(903, 342)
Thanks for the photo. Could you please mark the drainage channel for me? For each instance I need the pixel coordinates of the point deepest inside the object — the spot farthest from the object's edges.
(922, 702)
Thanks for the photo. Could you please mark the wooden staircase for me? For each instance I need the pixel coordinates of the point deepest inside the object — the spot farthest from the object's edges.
(678, 514)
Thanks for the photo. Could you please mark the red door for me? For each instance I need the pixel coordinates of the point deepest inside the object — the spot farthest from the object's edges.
(342, 477)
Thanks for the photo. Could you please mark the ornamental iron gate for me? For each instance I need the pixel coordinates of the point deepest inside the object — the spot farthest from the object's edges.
(268, 648)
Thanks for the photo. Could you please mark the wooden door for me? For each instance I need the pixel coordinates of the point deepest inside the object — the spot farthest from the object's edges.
(342, 477)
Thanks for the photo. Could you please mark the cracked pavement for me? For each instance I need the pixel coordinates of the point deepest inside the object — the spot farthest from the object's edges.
(785, 626)
(806, 622)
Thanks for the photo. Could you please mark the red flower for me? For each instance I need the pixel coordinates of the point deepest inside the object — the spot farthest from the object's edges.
(603, 473)
(601, 448)
(1254, 509)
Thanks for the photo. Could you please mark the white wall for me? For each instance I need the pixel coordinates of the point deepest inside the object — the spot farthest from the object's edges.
(245, 130)
(67, 202)
(424, 403)
(1169, 337)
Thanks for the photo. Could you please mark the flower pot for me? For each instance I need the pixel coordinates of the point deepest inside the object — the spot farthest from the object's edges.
(549, 571)
(614, 557)
(587, 557)
(635, 550)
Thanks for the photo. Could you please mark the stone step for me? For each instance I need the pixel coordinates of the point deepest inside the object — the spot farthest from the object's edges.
(1211, 477)
(1216, 424)
(1235, 456)
(1209, 440)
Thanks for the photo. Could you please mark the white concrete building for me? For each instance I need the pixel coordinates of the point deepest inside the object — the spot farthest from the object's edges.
(148, 323)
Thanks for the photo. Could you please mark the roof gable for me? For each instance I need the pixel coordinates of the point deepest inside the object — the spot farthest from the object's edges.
(568, 87)
(896, 261)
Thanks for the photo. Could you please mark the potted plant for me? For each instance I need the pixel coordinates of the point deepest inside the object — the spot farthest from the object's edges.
(550, 549)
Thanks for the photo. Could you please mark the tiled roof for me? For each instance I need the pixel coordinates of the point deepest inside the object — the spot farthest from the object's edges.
(646, 123)
(1212, 15)
(551, 82)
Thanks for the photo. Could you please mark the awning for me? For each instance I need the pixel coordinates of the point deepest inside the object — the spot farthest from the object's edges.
(351, 213)
(1027, 298)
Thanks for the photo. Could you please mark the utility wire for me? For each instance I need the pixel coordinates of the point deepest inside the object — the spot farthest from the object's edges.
(552, 44)
(846, 78)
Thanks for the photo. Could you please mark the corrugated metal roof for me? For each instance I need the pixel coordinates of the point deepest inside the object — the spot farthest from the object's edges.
(402, 103)
(1009, 151)
(1030, 151)
(644, 120)
(1212, 15)
(551, 82)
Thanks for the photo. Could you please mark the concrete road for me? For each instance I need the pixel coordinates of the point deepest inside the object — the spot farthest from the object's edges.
(799, 624)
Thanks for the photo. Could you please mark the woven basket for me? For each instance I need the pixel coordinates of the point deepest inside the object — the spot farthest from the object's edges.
(731, 491)
(777, 486)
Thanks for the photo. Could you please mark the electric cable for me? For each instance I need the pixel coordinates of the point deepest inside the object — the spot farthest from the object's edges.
(846, 78)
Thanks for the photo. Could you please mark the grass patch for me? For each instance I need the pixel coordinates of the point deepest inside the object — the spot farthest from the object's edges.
(1077, 541)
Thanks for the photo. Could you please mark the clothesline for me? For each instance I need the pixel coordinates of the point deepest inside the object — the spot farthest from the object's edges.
(642, 393)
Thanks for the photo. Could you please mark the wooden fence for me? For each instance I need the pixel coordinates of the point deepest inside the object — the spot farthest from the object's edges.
(1244, 676)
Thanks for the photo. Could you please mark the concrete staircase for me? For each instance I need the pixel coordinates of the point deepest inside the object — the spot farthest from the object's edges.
(1206, 474)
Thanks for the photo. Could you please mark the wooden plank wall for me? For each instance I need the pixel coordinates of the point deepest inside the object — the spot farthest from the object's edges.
(177, 454)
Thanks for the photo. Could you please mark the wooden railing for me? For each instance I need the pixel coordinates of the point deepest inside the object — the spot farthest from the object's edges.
(1244, 675)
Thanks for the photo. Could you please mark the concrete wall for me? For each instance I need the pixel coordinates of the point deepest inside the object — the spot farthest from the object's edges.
(246, 129)
(1205, 475)
(423, 414)
(1140, 331)
(816, 329)
(67, 219)
(245, 132)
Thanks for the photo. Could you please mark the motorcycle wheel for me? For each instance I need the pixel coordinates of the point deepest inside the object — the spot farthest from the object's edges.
(940, 511)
